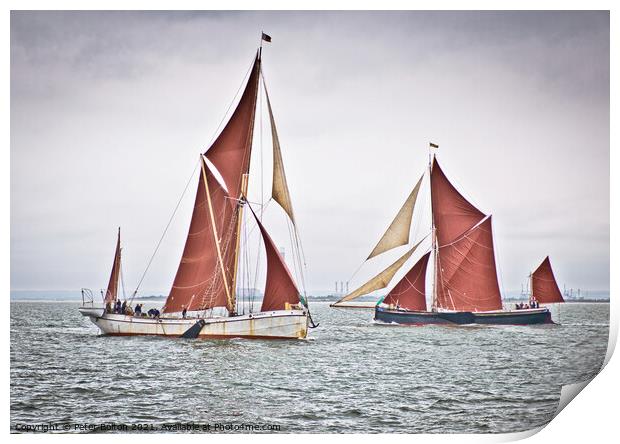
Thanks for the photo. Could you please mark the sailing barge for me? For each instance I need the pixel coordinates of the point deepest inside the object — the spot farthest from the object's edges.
(465, 288)
(203, 300)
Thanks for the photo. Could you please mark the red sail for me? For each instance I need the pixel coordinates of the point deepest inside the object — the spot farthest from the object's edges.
(467, 277)
(410, 291)
(112, 290)
(452, 213)
(280, 287)
(230, 153)
(200, 283)
(544, 286)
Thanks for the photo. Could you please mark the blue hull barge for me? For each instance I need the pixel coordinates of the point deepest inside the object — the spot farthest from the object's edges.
(499, 317)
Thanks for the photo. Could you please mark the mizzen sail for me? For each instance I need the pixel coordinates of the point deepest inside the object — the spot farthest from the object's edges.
(466, 274)
(112, 291)
(397, 233)
(410, 291)
(544, 286)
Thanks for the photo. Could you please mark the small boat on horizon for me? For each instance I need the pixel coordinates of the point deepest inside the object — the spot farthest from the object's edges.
(465, 287)
(203, 301)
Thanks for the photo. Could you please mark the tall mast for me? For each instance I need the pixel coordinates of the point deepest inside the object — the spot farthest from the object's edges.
(245, 179)
(433, 232)
(244, 192)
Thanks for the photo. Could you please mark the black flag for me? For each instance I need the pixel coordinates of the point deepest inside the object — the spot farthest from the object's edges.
(433, 145)
(266, 38)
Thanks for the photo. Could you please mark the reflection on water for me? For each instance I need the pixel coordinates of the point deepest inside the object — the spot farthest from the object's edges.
(352, 376)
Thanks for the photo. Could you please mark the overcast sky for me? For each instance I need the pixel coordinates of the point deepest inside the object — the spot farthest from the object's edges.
(110, 110)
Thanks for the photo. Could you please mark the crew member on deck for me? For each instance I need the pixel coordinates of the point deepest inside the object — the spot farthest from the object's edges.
(184, 313)
(118, 307)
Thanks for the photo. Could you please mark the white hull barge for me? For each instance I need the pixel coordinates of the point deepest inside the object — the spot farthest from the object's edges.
(279, 324)
(216, 262)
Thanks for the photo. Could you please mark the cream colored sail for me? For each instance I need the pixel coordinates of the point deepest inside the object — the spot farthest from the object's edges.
(382, 279)
(279, 188)
(397, 233)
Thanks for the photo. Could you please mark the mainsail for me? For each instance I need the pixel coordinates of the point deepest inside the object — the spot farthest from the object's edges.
(280, 288)
(544, 286)
(112, 291)
(410, 291)
(382, 279)
(205, 277)
(207, 273)
(397, 233)
(466, 275)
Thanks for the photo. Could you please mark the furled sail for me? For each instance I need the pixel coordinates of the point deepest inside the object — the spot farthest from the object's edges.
(410, 291)
(382, 279)
(279, 287)
(204, 278)
(279, 188)
(397, 233)
(465, 270)
(230, 153)
(544, 286)
(112, 291)
(467, 276)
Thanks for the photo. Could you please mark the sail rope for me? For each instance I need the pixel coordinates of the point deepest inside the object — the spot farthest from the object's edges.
(120, 268)
(417, 224)
(299, 255)
(234, 99)
(501, 276)
(174, 212)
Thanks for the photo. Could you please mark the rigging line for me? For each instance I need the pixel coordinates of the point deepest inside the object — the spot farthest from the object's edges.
(243, 82)
(498, 266)
(164, 233)
(466, 233)
(262, 185)
(120, 267)
(301, 252)
(260, 130)
(295, 266)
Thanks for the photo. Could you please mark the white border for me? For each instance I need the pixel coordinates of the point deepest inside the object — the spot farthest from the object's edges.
(592, 417)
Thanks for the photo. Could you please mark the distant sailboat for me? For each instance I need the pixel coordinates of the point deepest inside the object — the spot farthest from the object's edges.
(465, 285)
(543, 285)
(207, 277)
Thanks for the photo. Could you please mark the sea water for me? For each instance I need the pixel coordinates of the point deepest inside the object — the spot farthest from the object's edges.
(351, 375)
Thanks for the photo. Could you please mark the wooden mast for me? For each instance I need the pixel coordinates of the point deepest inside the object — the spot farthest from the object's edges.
(245, 179)
(240, 205)
(433, 234)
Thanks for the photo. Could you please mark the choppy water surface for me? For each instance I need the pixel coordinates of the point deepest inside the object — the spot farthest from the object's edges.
(352, 376)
